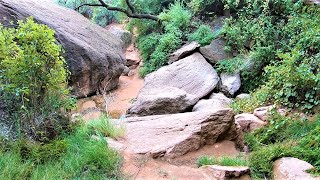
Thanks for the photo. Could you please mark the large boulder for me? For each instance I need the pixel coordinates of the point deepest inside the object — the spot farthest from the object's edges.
(176, 134)
(215, 51)
(122, 34)
(289, 168)
(183, 51)
(93, 54)
(230, 83)
(215, 102)
(176, 87)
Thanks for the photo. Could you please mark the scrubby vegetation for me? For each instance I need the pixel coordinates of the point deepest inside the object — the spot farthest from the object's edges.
(75, 155)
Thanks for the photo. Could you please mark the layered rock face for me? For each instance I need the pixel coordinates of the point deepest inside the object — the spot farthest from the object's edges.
(93, 54)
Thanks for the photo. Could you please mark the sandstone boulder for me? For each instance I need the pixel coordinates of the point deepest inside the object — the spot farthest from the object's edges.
(183, 51)
(226, 172)
(215, 102)
(230, 83)
(249, 122)
(124, 35)
(289, 168)
(93, 54)
(176, 87)
(174, 135)
(215, 51)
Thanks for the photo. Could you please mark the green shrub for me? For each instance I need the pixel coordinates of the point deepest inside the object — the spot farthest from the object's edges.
(203, 35)
(33, 80)
(280, 39)
(261, 161)
(156, 47)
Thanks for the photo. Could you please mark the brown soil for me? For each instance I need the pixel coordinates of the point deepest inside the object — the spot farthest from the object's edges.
(184, 167)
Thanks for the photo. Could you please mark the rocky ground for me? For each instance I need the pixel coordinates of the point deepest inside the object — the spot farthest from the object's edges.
(178, 114)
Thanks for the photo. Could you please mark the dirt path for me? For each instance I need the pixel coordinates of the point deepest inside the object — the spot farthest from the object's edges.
(120, 99)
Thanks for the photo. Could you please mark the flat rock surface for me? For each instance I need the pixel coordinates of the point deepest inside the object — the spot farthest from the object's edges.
(249, 122)
(174, 135)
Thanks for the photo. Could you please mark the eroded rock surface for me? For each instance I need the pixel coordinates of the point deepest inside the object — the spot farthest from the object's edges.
(215, 102)
(93, 54)
(215, 51)
(176, 134)
(176, 87)
(183, 51)
(289, 168)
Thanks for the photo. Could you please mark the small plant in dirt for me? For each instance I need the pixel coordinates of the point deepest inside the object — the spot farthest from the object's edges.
(222, 161)
(104, 127)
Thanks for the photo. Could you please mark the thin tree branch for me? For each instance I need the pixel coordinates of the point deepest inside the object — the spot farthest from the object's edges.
(130, 13)
(130, 6)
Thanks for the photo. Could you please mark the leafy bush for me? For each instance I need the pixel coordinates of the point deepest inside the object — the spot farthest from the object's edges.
(33, 80)
(223, 161)
(279, 37)
(156, 47)
(203, 35)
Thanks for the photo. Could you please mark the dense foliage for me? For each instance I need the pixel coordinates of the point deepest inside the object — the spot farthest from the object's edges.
(33, 80)
(281, 41)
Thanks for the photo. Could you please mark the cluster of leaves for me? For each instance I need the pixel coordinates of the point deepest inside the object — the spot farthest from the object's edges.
(75, 155)
(203, 35)
(33, 79)
(280, 39)
(98, 15)
(157, 46)
(284, 137)
(223, 161)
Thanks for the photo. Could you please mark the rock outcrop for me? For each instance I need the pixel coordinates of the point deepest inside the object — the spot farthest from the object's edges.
(289, 168)
(174, 135)
(215, 102)
(176, 87)
(125, 36)
(249, 122)
(183, 52)
(215, 51)
(93, 54)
